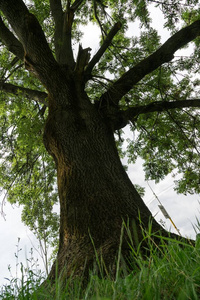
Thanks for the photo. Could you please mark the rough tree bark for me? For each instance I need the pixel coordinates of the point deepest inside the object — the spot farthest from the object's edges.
(95, 193)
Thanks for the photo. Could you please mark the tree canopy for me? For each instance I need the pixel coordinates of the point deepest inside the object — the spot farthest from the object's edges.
(132, 78)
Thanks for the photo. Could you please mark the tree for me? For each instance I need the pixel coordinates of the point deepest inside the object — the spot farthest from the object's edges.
(80, 112)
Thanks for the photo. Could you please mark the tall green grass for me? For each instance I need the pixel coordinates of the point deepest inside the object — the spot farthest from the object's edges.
(170, 271)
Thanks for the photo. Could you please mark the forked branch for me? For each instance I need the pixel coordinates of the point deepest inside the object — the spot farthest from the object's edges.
(31, 35)
(164, 54)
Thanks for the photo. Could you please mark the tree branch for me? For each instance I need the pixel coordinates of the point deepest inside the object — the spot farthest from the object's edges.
(26, 26)
(10, 41)
(38, 96)
(76, 5)
(67, 52)
(159, 106)
(164, 54)
(63, 27)
(38, 56)
(56, 9)
(57, 13)
(102, 49)
(97, 18)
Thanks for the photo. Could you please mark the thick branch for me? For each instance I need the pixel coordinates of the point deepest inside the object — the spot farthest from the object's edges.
(103, 48)
(57, 13)
(67, 52)
(63, 36)
(10, 41)
(38, 55)
(159, 106)
(56, 9)
(30, 33)
(38, 96)
(164, 54)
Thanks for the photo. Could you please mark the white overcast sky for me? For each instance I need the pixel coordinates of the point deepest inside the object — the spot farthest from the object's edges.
(182, 209)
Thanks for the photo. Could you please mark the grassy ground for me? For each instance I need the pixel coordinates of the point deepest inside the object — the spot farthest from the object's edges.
(171, 271)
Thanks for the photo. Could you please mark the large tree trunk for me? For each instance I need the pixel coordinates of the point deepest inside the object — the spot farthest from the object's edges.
(95, 193)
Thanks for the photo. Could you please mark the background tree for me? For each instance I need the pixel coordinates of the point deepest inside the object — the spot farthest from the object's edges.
(80, 103)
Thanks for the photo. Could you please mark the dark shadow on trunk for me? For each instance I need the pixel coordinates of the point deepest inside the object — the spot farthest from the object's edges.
(96, 195)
